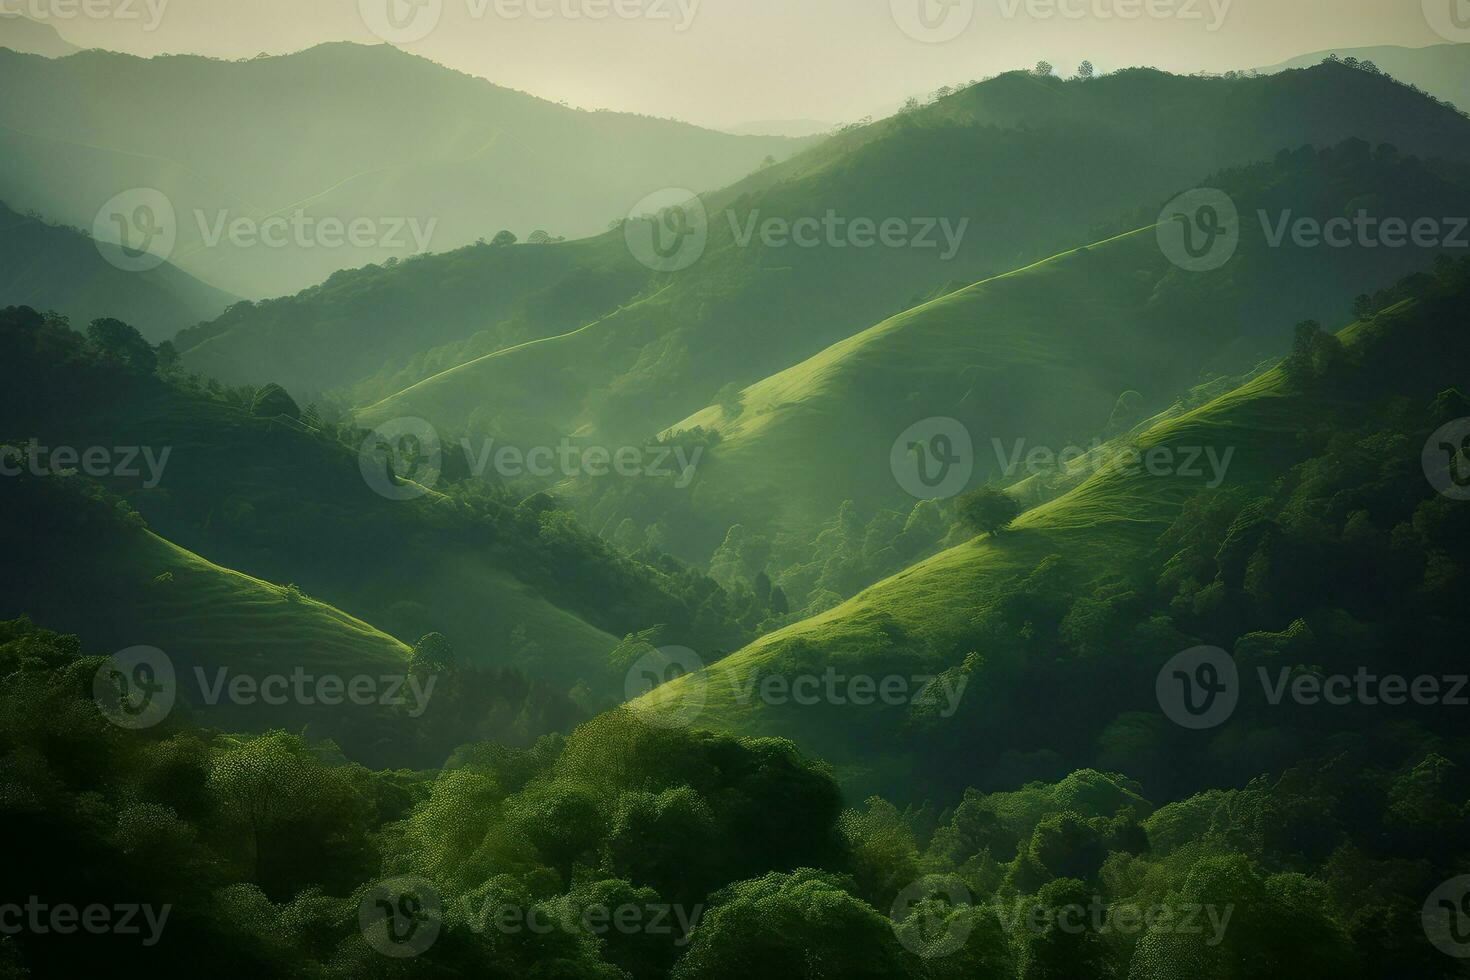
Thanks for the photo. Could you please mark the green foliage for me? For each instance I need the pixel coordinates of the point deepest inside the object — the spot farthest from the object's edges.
(283, 502)
(116, 341)
(762, 926)
(264, 844)
(989, 510)
(1060, 825)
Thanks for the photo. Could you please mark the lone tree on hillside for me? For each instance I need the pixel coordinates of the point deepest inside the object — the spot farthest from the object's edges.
(1085, 70)
(1316, 354)
(1043, 69)
(433, 654)
(731, 400)
(989, 510)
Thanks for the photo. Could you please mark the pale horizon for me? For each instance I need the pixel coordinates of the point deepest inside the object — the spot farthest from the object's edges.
(723, 63)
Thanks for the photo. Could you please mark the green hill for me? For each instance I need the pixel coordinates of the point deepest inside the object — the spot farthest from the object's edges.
(54, 268)
(1098, 588)
(1442, 70)
(1033, 165)
(140, 589)
(261, 486)
(1038, 358)
(343, 131)
(381, 321)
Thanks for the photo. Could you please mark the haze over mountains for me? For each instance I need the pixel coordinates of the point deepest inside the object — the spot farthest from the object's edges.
(63, 269)
(531, 344)
(622, 353)
(459, 159)
(1442, 70)
(19, 33)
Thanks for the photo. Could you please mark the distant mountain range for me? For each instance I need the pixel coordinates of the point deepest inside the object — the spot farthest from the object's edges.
(52, 267)
(1442, 70)
(33, 37)
(1031, 165)
(260, 160)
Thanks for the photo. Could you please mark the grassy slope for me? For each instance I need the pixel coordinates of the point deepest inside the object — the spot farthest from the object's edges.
(1038, 357)
(274, 500)
(917, 621)
(1050, 330)
(742, 314)
(466, 592)
(351, 326)
(103, 584)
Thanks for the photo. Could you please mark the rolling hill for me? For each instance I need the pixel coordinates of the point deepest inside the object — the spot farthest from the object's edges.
(256, 485)
(95, 570)
(1080, 589)
(1005, 157)
(365, 322)
(55, 268)
(1442, 70)
(1039, 357)
(143, 589)
(343, 132)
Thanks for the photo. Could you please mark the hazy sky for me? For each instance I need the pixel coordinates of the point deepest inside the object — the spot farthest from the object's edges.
(719, 62)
